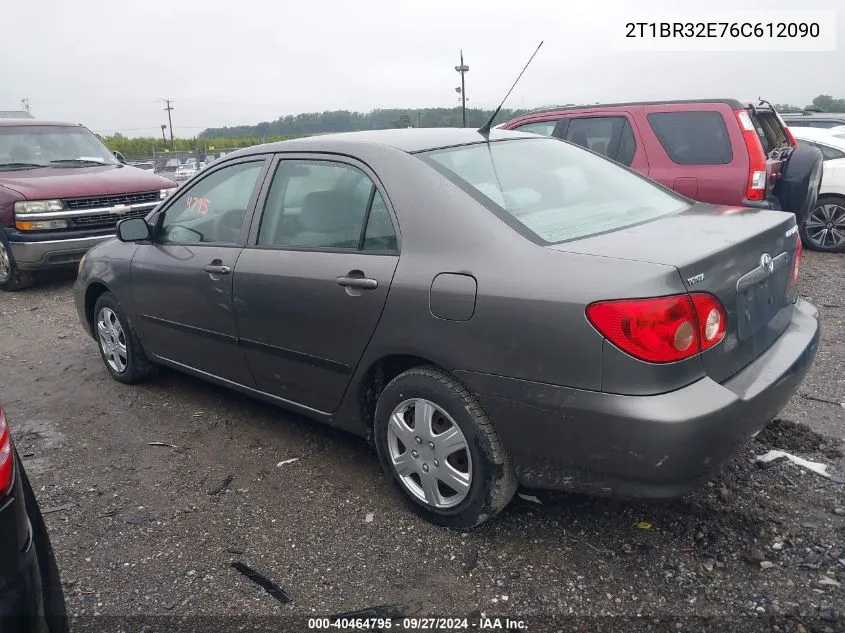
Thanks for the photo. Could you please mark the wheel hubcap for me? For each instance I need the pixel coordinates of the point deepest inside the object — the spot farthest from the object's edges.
(112, 340)
(5, 264)
(430, 454)
(825, 226)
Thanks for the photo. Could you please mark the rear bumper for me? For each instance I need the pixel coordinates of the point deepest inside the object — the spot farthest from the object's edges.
(21, 603)
(32, 252)
(659, 446)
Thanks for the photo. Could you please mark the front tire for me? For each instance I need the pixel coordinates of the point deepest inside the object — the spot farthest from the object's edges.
(823, 228)
(120, 348)
(11, 277)
(437, 445)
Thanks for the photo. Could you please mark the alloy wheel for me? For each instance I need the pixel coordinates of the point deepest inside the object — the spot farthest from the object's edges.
(112, 340)
(429, 453)
(825, 225)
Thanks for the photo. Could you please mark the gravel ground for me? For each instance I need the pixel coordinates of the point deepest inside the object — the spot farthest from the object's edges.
(144, 530)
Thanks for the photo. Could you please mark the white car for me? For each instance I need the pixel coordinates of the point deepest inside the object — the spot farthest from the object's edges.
(184, 172)
(826, 222)
(839, 131)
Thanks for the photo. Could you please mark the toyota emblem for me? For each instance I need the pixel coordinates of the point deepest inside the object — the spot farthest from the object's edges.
(766, 263)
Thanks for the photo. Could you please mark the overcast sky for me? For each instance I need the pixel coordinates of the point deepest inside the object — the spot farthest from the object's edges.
(224, 62)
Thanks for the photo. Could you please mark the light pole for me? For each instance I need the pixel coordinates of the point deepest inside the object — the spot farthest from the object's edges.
(463, 69)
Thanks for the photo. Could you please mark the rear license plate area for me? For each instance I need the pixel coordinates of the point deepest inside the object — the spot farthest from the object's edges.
(758, 304)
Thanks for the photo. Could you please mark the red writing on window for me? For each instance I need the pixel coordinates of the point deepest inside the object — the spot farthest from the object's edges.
(198, 206)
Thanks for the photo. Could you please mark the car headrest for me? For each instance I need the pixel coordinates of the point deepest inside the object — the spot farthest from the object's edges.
(327, 211)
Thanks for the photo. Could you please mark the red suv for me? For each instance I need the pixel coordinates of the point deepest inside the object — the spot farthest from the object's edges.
(720, 150)
(61, 192)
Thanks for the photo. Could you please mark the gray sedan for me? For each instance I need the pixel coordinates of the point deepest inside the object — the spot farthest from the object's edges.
(487, 311)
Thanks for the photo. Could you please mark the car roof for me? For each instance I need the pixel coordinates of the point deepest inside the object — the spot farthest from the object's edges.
(28, 122)
(837, 116)
(409, 140)
(733, 103)
(818, 134)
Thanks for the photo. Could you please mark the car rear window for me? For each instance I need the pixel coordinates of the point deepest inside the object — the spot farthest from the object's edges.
(553, 191)
(693, 138)
(769, 128)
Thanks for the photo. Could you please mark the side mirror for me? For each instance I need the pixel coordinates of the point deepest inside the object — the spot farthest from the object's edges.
(133, 230)
(119, 157)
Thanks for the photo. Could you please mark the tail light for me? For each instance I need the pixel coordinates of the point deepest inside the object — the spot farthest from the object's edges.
(662, 329)
(6, 457)
(756, 189)
(796, 262)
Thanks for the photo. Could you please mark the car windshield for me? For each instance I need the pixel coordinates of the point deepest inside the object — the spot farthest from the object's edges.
(52, 145)
(556, 190)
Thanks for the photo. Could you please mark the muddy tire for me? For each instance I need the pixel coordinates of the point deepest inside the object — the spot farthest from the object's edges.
(823, 229)
(119, 346)
(11, 277)
(438, 447)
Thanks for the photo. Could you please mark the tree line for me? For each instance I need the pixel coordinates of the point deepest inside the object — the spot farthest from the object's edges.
(309, 123)
(149, 146)
(822, 103)
(330, 121)
(215, 140)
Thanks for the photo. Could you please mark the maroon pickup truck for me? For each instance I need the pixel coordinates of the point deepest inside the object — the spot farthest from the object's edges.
(61, 192)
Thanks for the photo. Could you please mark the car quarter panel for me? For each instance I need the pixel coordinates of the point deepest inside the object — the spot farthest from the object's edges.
(654, 446)
(716, 183)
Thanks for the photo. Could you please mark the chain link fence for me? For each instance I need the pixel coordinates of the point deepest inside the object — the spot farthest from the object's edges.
(178, 165)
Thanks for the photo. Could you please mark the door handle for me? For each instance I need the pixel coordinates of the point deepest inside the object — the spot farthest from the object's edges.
(357, 282)
(215, 269)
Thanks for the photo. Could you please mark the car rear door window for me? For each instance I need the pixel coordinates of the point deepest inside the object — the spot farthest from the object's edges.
(212, 210)
(627, 146)
(324, 204)
(380, 234)
(609, 136)
(693, 138)
(538, 127)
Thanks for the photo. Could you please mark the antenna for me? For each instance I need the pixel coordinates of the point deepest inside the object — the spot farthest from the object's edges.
(484, 130)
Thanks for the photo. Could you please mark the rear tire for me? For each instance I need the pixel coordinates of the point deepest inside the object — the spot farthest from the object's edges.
(823, 229)
(12, 278)
(431, 434)
(119, 346)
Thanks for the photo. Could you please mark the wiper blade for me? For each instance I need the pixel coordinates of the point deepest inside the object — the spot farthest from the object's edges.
(77, 161)
(20, 165)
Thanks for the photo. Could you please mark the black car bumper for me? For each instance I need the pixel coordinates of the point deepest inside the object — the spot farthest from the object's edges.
(21, 602)
(658, 446)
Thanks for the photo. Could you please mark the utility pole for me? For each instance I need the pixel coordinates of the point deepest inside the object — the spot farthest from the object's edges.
(168, 108)
(25, 104)
(463, 69)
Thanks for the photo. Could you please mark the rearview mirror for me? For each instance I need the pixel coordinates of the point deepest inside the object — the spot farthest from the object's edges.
(119, 157)
(133, 230)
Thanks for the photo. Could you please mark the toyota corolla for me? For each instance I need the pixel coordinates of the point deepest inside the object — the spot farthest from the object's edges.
(488, 310)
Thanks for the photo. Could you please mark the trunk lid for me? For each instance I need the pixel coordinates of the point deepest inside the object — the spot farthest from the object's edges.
(742, 256)
(777, 143)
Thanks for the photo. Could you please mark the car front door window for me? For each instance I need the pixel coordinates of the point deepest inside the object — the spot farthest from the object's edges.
(211, 211)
